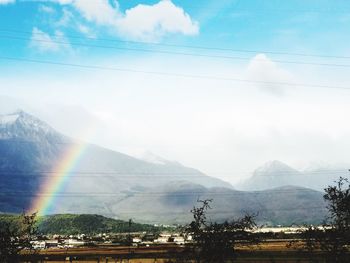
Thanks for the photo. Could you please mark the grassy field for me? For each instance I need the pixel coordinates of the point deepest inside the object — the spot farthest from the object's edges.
(271, 251)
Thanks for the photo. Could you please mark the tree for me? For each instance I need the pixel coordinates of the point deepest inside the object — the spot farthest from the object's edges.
(333, 238)
(215, 242)
(16, 236)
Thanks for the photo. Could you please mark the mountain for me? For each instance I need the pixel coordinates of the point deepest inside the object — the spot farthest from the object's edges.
(284, 206)
(153, 190)
(277, 174)
(30, 150)
(270, 175)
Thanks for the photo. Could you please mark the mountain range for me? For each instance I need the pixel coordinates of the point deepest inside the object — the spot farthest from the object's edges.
(151, 189)
(276, 174)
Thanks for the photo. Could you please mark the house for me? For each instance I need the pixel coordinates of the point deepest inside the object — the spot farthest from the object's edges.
(73, 243)
(136, 240)
(162, 240)
(38, 244)
(179, 240)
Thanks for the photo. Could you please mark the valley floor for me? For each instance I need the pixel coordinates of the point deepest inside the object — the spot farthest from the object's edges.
(269, 251)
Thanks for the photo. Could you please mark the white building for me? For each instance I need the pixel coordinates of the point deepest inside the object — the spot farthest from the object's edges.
(136, 240)
(38, 244)
(74, 243)
(161, 240)
(179, 240)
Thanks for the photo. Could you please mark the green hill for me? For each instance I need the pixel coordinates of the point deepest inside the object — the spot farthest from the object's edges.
(67, 224)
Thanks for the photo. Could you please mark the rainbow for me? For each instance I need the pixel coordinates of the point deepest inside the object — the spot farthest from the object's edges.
(53, 184)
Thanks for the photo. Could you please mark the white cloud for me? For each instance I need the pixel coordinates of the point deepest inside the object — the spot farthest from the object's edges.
(86, 30)
(63, 2)
(262, 68)
(142, 22)
(149, 22)
(44, 42)
(47, 9)
(5, 2)
(66, 18)
(99, 11)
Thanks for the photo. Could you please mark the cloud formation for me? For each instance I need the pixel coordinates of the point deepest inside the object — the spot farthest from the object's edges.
(262, 68)
(5, 2)
(98, 11)
(43, 42)
(142, 22)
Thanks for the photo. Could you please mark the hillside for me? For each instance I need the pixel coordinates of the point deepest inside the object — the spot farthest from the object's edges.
(280, 206)
(68, 224)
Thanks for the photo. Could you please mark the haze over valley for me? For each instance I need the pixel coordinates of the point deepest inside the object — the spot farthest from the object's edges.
(113, 184)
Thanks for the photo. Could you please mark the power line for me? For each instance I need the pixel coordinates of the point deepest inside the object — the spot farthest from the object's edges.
(168, 74)
(186, 46)
(225, 192)
(120, 174)
(228, 211)
(237, 7)
(214, 212)
(51, 173)
(178, 53)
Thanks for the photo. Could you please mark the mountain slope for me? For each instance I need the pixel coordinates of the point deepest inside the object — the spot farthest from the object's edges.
(270, 175)
(285, 205)
(30, 150)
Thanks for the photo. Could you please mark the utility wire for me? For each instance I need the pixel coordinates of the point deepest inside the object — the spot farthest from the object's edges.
(220, 192)
(177, 53)
(185, 46)
(47, 173)
(168, 74)
(228, 211)
(120, 174)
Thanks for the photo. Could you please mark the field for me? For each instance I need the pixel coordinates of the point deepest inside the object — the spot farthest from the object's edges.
(269, 251)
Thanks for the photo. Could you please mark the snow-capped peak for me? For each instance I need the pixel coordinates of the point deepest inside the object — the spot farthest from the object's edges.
(7, 119)
(21, 125)
(274, 168)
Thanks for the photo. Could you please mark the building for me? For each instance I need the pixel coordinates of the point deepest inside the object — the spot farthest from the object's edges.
(73, 243)
(179, 240)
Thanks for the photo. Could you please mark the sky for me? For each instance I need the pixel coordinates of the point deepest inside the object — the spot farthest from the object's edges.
(221, 86)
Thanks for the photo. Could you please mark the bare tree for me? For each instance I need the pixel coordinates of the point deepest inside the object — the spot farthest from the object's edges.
(333, 238)
(215, 242)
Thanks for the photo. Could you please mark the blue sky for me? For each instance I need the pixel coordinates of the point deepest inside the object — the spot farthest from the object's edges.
(221, 127)
(312, 26)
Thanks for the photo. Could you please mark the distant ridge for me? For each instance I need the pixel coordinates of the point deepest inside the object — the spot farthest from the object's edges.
(277, 174)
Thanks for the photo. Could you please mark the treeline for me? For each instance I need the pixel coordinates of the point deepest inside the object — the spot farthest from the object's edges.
(70, 224)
